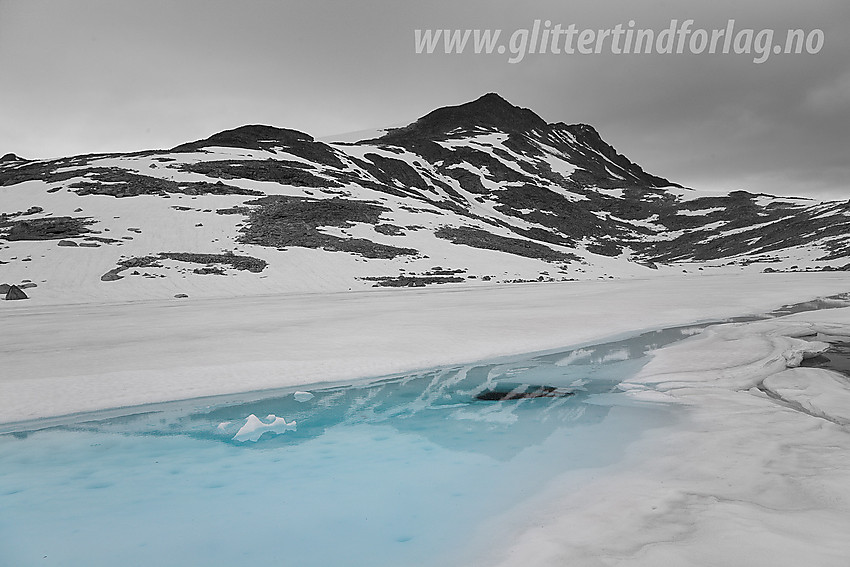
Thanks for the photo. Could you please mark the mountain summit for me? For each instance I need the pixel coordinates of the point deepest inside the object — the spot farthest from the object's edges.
(580, 144)
(479, 192)
(487, 112)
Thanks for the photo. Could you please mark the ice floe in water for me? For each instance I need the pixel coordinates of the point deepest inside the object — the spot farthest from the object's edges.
(574, 356)
(303, 396)
(254, 428)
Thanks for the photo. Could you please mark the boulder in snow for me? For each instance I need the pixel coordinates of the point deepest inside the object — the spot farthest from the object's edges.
(15, 293)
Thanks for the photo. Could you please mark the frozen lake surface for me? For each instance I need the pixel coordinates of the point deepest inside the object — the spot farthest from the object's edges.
(401, 471)
(532, 460)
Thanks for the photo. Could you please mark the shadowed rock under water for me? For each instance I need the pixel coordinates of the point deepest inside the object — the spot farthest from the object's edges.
(521, 392)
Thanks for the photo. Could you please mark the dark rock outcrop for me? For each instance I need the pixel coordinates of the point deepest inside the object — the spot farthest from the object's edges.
(506, 392)
(282, 221)
(15, 293)
(480, 238)
(274, 171)
(49, 228)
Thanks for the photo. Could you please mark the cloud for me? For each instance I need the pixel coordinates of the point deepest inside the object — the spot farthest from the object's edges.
(96, 75)
(830, 98)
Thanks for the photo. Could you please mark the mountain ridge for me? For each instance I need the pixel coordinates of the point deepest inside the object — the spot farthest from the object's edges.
(483, 191)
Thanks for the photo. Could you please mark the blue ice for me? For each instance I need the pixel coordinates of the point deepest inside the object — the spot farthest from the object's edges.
(399, 471)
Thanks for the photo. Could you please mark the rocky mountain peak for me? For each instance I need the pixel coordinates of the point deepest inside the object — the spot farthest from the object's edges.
(489, 111)
(252, 137)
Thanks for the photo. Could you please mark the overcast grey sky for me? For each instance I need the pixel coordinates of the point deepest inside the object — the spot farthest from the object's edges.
(83, 76)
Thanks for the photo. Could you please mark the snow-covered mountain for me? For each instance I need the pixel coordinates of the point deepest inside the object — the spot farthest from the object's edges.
(480, 193)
